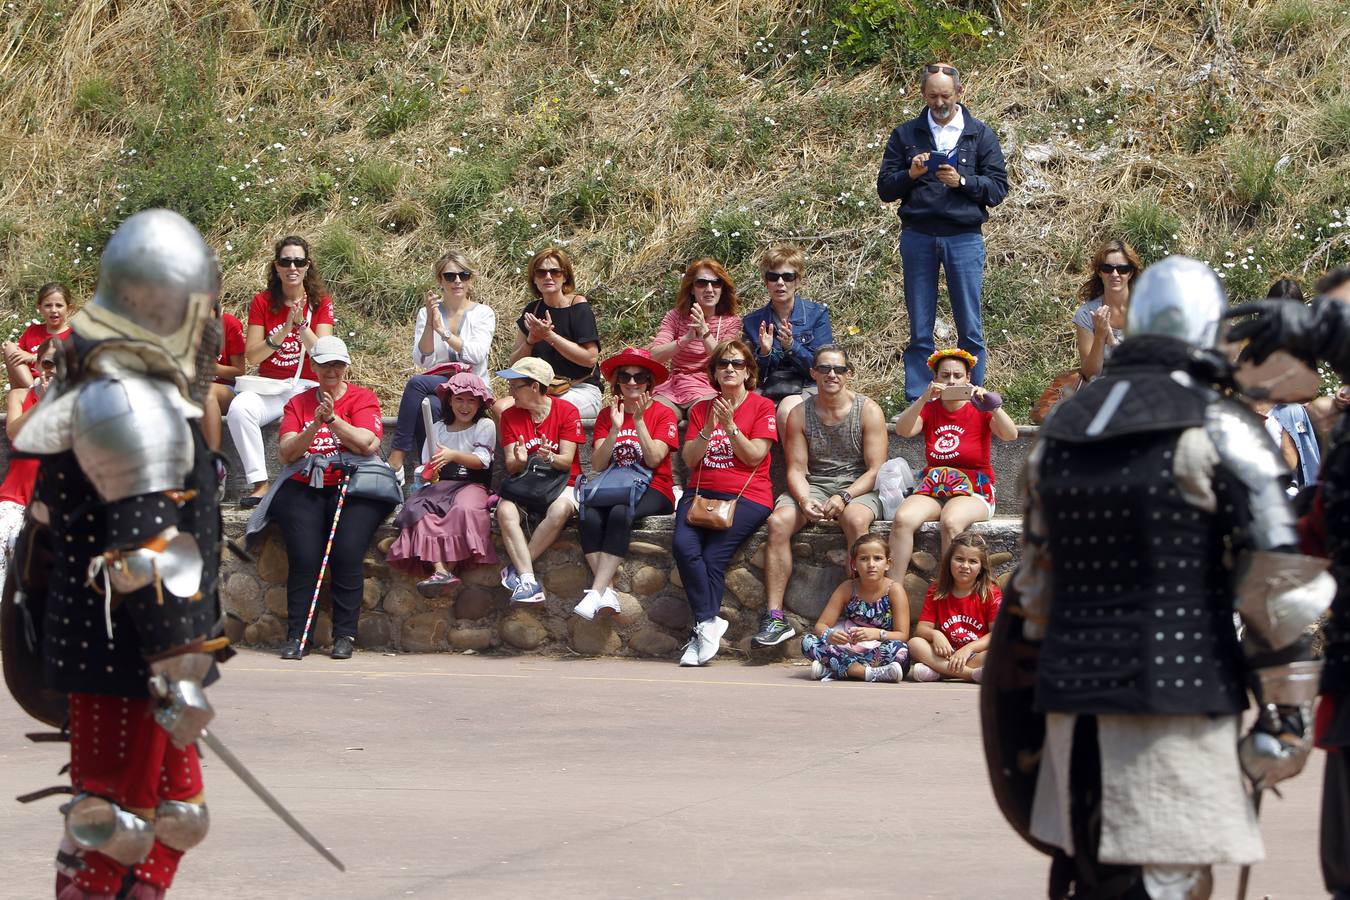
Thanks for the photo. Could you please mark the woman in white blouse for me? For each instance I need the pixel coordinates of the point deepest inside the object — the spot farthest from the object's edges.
(450, 328)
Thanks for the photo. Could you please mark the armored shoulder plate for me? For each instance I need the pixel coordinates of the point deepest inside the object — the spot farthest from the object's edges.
(1248, 454)
(130, 436)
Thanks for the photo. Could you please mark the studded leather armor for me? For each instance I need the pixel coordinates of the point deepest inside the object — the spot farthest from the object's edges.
(1335, 501)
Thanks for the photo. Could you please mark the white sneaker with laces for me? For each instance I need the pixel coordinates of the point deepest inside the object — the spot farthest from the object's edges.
(892, 673)
(710, 638)
(590, 601)
(819, 672)
(609, 600)
(690, 657)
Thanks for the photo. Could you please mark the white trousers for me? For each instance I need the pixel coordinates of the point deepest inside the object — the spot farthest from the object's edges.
(11, 523)
(249, 412)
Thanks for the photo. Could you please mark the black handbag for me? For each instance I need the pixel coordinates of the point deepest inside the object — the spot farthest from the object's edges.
(535, 487)
(781, 383)
(372, 479)
(614, 486)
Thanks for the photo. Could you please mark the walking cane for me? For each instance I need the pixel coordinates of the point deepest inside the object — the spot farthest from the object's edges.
(323, 564)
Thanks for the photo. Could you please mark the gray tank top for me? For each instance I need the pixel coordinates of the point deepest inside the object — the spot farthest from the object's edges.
(834, 451)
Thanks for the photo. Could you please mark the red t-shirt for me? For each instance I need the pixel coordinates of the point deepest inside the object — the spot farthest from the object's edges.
(563, 423)
(721, 469)
(961, 619)
(661, 425)
(232, 345)
(357, 406)
(18, 484)
(281, 364)
(958, 439)
(32, 339)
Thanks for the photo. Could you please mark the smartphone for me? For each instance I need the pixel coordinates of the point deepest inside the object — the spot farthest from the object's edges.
(936, 159)
(958, 392)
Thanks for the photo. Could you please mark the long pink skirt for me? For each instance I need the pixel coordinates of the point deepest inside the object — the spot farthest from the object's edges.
(444, 522)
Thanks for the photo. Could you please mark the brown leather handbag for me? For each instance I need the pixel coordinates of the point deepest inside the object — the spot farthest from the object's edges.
(714, 514)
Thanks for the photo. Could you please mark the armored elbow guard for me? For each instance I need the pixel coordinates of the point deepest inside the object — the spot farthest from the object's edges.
(1279, 596)
(96, 823)
(183, 710)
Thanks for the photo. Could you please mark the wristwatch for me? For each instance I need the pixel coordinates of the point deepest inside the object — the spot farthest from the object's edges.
(846, 497)
(733, 432)
(963, 181)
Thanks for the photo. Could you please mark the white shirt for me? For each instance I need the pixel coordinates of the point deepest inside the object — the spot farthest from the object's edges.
(476, 332)
(945, 137)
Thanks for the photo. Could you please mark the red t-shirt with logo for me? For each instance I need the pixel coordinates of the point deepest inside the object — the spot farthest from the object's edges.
(958, 438)
(357, 406)
(281, 364)
(32, 339)
(233, 343)
(721, 469)
(563, 423)
(18, 484)
(961, 619)
(661, 425)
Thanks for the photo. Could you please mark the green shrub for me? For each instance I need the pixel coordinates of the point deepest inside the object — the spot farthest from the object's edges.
(402, 106)
(97, 101)
(1209, 122)
(1332, 131)
(377, 179)
(466, 188)
(1253, 179)
(312, 191)
(906, 34)
(585, 200)
(1151, 228)
(728, 236)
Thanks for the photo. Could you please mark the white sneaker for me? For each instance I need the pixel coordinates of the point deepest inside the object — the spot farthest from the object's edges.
(710, 639)
(690, 657)
(609, 600)
(892, 673)
(819, 672)
(590, 601)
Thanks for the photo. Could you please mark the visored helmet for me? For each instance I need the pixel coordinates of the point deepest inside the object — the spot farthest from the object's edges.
(1178, 297)
(157, 283)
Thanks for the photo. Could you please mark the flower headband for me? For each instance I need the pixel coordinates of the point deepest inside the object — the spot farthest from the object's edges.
(951, 353)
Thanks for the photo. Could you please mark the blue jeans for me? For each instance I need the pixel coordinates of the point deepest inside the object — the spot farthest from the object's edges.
(409, 435)
(962, 257)
(702, 554)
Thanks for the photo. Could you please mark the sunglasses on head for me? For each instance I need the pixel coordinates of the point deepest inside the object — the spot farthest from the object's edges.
(730, 364)
(830, 369)
(1122, 269)
(789, 277)
(707, 282)
(456, 276)
(935, 69)
(643, 377)
(292, 262)
(551, 273)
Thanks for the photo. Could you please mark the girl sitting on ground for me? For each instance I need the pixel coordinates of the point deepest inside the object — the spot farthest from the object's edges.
(958, 614)
(861, 633)
(445, 523)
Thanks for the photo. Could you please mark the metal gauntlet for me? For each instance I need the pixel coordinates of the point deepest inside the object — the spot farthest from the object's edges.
(1279, 743)
(183, 710)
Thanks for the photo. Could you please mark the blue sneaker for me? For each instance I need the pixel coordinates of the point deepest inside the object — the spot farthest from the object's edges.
(527, 590)
(510, 578)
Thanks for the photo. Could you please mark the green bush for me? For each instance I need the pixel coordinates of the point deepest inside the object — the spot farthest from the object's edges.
(1253, 179)
(1332, 131)
(1150, 227)
(1208, 123)
(584, 201)
(729, 237)
(402, 106)
(906, 34)
(377, 179)
(97, 101)
(466, 188)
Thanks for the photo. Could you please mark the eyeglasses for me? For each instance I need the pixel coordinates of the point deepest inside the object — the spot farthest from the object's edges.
(827, 369)
(1108, 268)
(708, 282)
(518, 383)
(456, 276)
(291, 262)
(48, 364)
(944, 70)
(788, 277)
(730, 364)
(551, 273)
(643, 377)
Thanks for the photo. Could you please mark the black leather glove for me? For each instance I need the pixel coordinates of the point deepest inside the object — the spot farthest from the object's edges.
(1316, 333)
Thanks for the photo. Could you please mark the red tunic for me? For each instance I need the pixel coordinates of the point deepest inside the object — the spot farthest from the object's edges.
(961, 619)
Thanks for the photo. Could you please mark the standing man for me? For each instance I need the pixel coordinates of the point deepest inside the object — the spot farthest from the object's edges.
(835, 443)
(946, 169)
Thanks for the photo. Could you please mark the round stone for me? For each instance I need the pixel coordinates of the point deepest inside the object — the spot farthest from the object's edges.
(648, 580)
(520, 629)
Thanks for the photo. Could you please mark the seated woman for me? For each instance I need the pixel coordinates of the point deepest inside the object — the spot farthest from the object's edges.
(55, 307)
(320, 429)
(703, 317)
(446, 523)
(726, 448)
(786, 332)
(631, 430)
(17, 488)
(956, 488)
(450, 328)
(862, 630)
(284, 321)
(958, 614)
(1099, 322)
(229, 366)
(559, 328)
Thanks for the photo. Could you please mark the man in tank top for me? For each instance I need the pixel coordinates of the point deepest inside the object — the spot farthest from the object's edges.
(835, 443)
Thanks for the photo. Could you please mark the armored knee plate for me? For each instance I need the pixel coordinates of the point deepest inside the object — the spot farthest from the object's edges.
(180, 825)
(96, 823)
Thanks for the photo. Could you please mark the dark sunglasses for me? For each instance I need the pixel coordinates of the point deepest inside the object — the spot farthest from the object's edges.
(456, 276)
(944, 70)
(633, 377)
(789, 277)
(1108, 268)
(48, 364)
(292, 262)
(828, 369)
(730, 364)
(551, 273)
(707, 282)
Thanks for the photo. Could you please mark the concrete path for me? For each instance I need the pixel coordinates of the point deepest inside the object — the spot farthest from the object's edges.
(474, 776)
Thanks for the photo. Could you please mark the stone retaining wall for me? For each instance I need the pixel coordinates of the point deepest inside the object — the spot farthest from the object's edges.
(476, 616)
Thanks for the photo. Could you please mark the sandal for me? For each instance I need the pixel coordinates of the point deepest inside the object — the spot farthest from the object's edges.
(437, 584)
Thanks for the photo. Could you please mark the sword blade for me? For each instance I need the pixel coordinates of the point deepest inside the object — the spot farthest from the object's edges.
(237, 767)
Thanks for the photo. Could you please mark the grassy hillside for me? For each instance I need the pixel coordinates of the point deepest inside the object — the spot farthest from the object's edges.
(639, 133)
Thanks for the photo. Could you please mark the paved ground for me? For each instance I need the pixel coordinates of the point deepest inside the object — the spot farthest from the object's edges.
(446, 775)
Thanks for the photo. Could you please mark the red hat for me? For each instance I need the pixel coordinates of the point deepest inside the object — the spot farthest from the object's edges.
(634, 356)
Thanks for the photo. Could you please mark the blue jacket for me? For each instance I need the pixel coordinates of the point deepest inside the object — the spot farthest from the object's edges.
(1294, 419)
(927, 204)
(810, 329)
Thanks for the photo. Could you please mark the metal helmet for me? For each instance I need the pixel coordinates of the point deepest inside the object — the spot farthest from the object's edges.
(157, 283)
(1178, 297)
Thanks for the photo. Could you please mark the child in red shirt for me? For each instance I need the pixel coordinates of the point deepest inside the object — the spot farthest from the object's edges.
(54, 311)
(958, 614)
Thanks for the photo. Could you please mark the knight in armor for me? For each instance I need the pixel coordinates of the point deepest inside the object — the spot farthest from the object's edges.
(125, 610)
(1321, 333)
(1155, 511)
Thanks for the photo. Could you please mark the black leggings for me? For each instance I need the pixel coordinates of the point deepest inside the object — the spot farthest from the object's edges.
(610, 530)
(305, 515)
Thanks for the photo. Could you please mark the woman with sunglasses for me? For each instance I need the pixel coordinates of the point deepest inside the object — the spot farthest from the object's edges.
(631, 430)
(726, 448)
(284, 322)
(704, 315)
(1099, 322)
(558, 326)
(17, 488)
(787, 331)
(450, 328)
